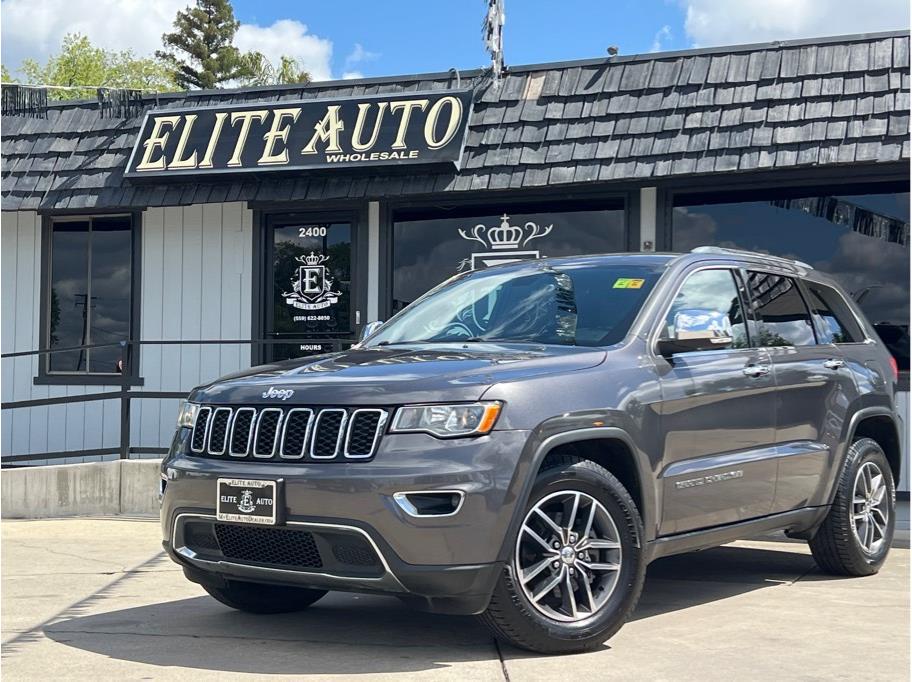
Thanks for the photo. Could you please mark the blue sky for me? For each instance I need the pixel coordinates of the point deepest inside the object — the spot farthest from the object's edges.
(403, 36)
(352, 38)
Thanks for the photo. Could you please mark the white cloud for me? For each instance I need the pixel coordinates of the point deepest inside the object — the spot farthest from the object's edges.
(729, 22)
(359, 55)
(290, 38)
(663, 35)
(349, 75)
(35, 29)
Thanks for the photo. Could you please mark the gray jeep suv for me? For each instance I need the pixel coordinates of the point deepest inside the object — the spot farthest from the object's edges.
(523, 440)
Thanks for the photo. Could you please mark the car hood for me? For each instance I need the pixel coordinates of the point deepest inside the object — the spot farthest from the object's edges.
(393, 375)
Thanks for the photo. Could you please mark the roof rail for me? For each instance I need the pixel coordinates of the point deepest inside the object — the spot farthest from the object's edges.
(752, 254)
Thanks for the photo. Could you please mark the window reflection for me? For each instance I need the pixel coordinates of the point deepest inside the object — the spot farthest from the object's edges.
(860, 238)
(90, 295)
(430, 246)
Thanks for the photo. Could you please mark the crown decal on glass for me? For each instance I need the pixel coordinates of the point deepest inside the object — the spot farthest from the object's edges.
(506, 236)
(313, 259)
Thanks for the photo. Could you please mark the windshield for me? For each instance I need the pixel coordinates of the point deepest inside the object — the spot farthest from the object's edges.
(591, 304)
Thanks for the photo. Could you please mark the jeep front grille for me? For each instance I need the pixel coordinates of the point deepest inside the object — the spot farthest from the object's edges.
(292, 434)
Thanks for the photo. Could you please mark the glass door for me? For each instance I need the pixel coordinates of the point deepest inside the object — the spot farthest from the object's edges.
(308, 285)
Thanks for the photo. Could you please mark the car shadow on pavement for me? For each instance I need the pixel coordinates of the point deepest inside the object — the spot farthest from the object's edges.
(351, 634)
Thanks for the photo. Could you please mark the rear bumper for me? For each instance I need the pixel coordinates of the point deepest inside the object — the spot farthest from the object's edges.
(442, 563)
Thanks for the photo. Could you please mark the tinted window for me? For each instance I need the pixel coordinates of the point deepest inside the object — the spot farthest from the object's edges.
(861, 238)
(430, 247)
(582, 305)
(90, 295)
(839, 325)
(782, 317)
(712, 290)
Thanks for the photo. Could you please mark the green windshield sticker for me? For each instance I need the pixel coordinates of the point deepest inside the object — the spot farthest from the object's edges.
(628, 283)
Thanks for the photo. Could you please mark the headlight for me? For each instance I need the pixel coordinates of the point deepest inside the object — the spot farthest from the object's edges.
(473, 419)
(187, 415)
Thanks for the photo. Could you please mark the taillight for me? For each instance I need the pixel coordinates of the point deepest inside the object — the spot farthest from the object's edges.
(895, 368)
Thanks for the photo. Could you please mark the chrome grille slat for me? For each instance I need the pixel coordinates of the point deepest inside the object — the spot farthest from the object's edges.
(219, 424)
(370, 432)
(289, 433)
(201, 430)
(293, 418)
(240, 417)
(270, 433)
(318, 436)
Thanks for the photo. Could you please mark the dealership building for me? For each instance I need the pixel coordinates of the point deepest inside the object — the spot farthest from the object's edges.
(274, 222)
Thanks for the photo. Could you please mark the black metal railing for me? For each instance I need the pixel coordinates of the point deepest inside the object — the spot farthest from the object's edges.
(126, 394)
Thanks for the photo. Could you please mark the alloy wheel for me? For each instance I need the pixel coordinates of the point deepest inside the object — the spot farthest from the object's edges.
(870, 507)
(568, 556)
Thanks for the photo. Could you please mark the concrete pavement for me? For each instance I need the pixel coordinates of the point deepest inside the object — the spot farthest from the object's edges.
(95, 599)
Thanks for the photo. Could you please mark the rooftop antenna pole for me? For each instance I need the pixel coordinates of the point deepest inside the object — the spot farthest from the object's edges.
(492, 32)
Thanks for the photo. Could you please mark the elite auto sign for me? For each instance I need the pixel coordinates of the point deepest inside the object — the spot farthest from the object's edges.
(402, 129)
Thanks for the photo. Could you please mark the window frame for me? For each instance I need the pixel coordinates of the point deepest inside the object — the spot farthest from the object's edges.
(131, 375)
(738, 279)
(805, 286)
(799, 287)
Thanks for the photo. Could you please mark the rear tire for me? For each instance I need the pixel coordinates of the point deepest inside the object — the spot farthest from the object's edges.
(855, 536)
(594, 526)
(259, 598)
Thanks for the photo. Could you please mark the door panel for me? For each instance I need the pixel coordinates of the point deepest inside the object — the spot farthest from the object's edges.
(719, 428)
(717, 416)
(814, 392)
(814, 389)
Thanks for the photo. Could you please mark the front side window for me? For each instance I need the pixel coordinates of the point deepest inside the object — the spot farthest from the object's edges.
(782, 317)
(90, 295)
(710, 295)
(577, 305)
(839, 325)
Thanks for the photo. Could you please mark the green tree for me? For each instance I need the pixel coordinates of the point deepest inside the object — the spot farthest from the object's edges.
(199, 51)
(260, 71)
(81, 63)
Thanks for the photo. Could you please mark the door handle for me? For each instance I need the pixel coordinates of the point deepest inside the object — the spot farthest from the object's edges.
(756, 371)
(834, 363)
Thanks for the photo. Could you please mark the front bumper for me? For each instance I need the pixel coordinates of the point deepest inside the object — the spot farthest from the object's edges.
(444, 563)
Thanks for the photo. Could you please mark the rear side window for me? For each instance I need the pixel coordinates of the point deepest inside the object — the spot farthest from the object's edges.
(782, 317)
(839, 324)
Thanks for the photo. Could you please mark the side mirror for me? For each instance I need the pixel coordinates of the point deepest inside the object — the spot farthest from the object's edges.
(697, 329)
(369, 329)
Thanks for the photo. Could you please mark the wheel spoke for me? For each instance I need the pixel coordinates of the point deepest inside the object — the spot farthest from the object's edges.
(530, 573)
(587, 590)
(592, 543)
(879, 493)
(572, 519)
(879, 512)
(568, 588)
(547, 519)
(535, 536)
(550, 585)
(599, 566)
(869, 532)
(589, 521)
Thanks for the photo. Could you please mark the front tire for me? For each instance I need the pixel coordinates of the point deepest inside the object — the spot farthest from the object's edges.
(577, 564)
(259, 598)
(855, 536)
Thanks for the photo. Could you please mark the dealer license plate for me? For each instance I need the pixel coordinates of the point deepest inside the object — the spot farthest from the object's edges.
(247, 501)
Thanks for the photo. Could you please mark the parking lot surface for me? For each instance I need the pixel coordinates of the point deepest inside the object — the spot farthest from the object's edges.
(96, 599)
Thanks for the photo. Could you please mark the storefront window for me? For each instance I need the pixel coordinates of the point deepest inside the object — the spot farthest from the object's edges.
(860, 237)
(90, 295)
(429, 247)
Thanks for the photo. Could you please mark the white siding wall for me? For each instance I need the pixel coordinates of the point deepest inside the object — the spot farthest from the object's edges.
(196, 284)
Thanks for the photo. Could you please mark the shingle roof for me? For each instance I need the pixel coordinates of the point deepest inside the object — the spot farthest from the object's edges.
(826, 102)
